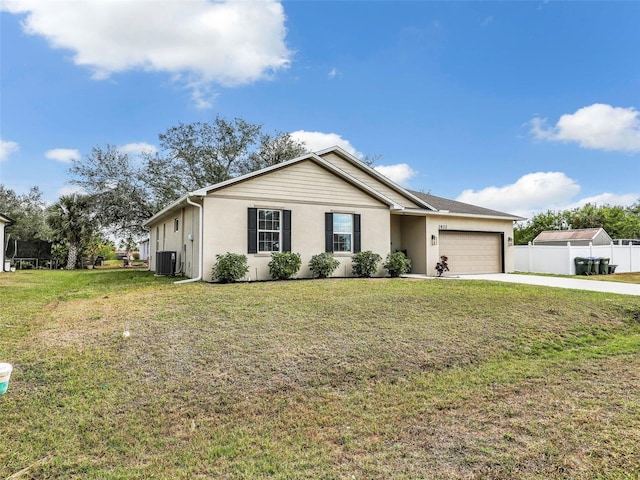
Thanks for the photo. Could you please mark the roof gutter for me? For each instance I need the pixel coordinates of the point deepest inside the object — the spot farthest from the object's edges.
(200, 242)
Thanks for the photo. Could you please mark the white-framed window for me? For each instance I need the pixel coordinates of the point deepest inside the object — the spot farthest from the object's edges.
(342, 232)
(269, 230)
(176, 224)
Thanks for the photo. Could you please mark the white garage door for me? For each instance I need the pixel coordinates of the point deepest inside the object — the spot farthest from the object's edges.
(472, 252)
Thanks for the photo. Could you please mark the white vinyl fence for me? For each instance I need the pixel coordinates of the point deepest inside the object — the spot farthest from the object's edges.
(561, 259)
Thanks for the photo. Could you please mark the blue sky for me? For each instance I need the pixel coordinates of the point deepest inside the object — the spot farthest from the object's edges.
(517, 106)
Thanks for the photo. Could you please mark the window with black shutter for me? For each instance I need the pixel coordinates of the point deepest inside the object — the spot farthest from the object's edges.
(269, 230)
(342, 232)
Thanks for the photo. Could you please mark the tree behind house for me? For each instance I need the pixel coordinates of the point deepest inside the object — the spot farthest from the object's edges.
(71, 223)
(127, 189)
(28, 211)
(617, 221)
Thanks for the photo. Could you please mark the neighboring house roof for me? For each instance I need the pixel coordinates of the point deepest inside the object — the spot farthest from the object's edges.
(444, 205)
(5, 219)
(568, 235)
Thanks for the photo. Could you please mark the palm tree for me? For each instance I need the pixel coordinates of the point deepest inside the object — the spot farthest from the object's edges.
(70, 220)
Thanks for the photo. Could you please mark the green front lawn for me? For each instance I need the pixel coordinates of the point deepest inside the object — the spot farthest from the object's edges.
(633, 277)
(315, 379)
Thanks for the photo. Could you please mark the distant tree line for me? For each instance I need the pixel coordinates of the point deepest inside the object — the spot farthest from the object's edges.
(619, 222)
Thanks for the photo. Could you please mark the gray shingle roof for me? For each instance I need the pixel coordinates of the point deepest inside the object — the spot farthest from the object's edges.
(567, 235)
(454, 206)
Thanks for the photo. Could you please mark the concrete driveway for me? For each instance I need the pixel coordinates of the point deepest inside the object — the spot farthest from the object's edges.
(575, 283)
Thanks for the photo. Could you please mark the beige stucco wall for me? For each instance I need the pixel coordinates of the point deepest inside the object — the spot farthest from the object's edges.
(184, 240)
(414, 242)
(226, 231)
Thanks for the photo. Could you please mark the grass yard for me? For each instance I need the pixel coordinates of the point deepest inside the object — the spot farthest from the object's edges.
(633, 277)
(328, 379)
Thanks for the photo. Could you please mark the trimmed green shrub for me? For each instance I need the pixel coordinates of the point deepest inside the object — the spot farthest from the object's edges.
(365, 263)
(397, 264)
(230, 267)
(323, 264)
(284, 265)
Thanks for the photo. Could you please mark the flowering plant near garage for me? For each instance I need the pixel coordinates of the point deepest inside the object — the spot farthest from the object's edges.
(442, 265)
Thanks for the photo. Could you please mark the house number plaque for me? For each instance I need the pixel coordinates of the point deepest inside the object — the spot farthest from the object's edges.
(442, 227)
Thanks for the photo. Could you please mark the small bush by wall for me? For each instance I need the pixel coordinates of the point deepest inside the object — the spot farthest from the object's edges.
(397, 264)
(365, 263)
(230, 267)
(323, 265)
(284, 265)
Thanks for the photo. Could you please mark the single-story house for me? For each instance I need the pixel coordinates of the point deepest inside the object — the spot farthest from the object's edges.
(4, 222)
(143, 248)
(577, 237)
(325, 201)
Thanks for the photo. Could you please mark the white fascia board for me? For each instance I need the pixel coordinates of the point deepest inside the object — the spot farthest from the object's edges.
(442, 213)
(309, 156)
(205, 190)
(473, 215)
(202, 192)
(374, 173)
(172, 206)
(361, 185)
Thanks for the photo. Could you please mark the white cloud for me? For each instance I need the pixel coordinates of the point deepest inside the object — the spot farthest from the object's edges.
(71, 190)
(227, 42)
(400, 173)
(63, 155)
(533, 192)
(316, 141)
(623, 200)
(598, 126)
(486, 21)
(7, 148)
(333, 73)
(137, 148)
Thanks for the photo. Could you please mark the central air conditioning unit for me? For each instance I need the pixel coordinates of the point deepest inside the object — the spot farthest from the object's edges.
(166, 263)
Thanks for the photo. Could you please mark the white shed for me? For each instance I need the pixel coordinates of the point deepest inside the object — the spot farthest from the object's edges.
(577, 237)
(4, 222)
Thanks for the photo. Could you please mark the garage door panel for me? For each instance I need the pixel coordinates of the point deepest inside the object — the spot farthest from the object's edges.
(472, 252)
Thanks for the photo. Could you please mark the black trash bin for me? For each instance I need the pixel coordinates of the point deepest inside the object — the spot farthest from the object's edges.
(582, 265)
(595, 265)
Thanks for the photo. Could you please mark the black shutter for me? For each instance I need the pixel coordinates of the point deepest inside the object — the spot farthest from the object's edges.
(252, 231)
(328, 232)
(286, 230)
(356, 233)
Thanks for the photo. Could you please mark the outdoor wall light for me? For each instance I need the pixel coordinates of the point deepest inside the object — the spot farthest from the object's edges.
(434, 240)
(510, 241)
